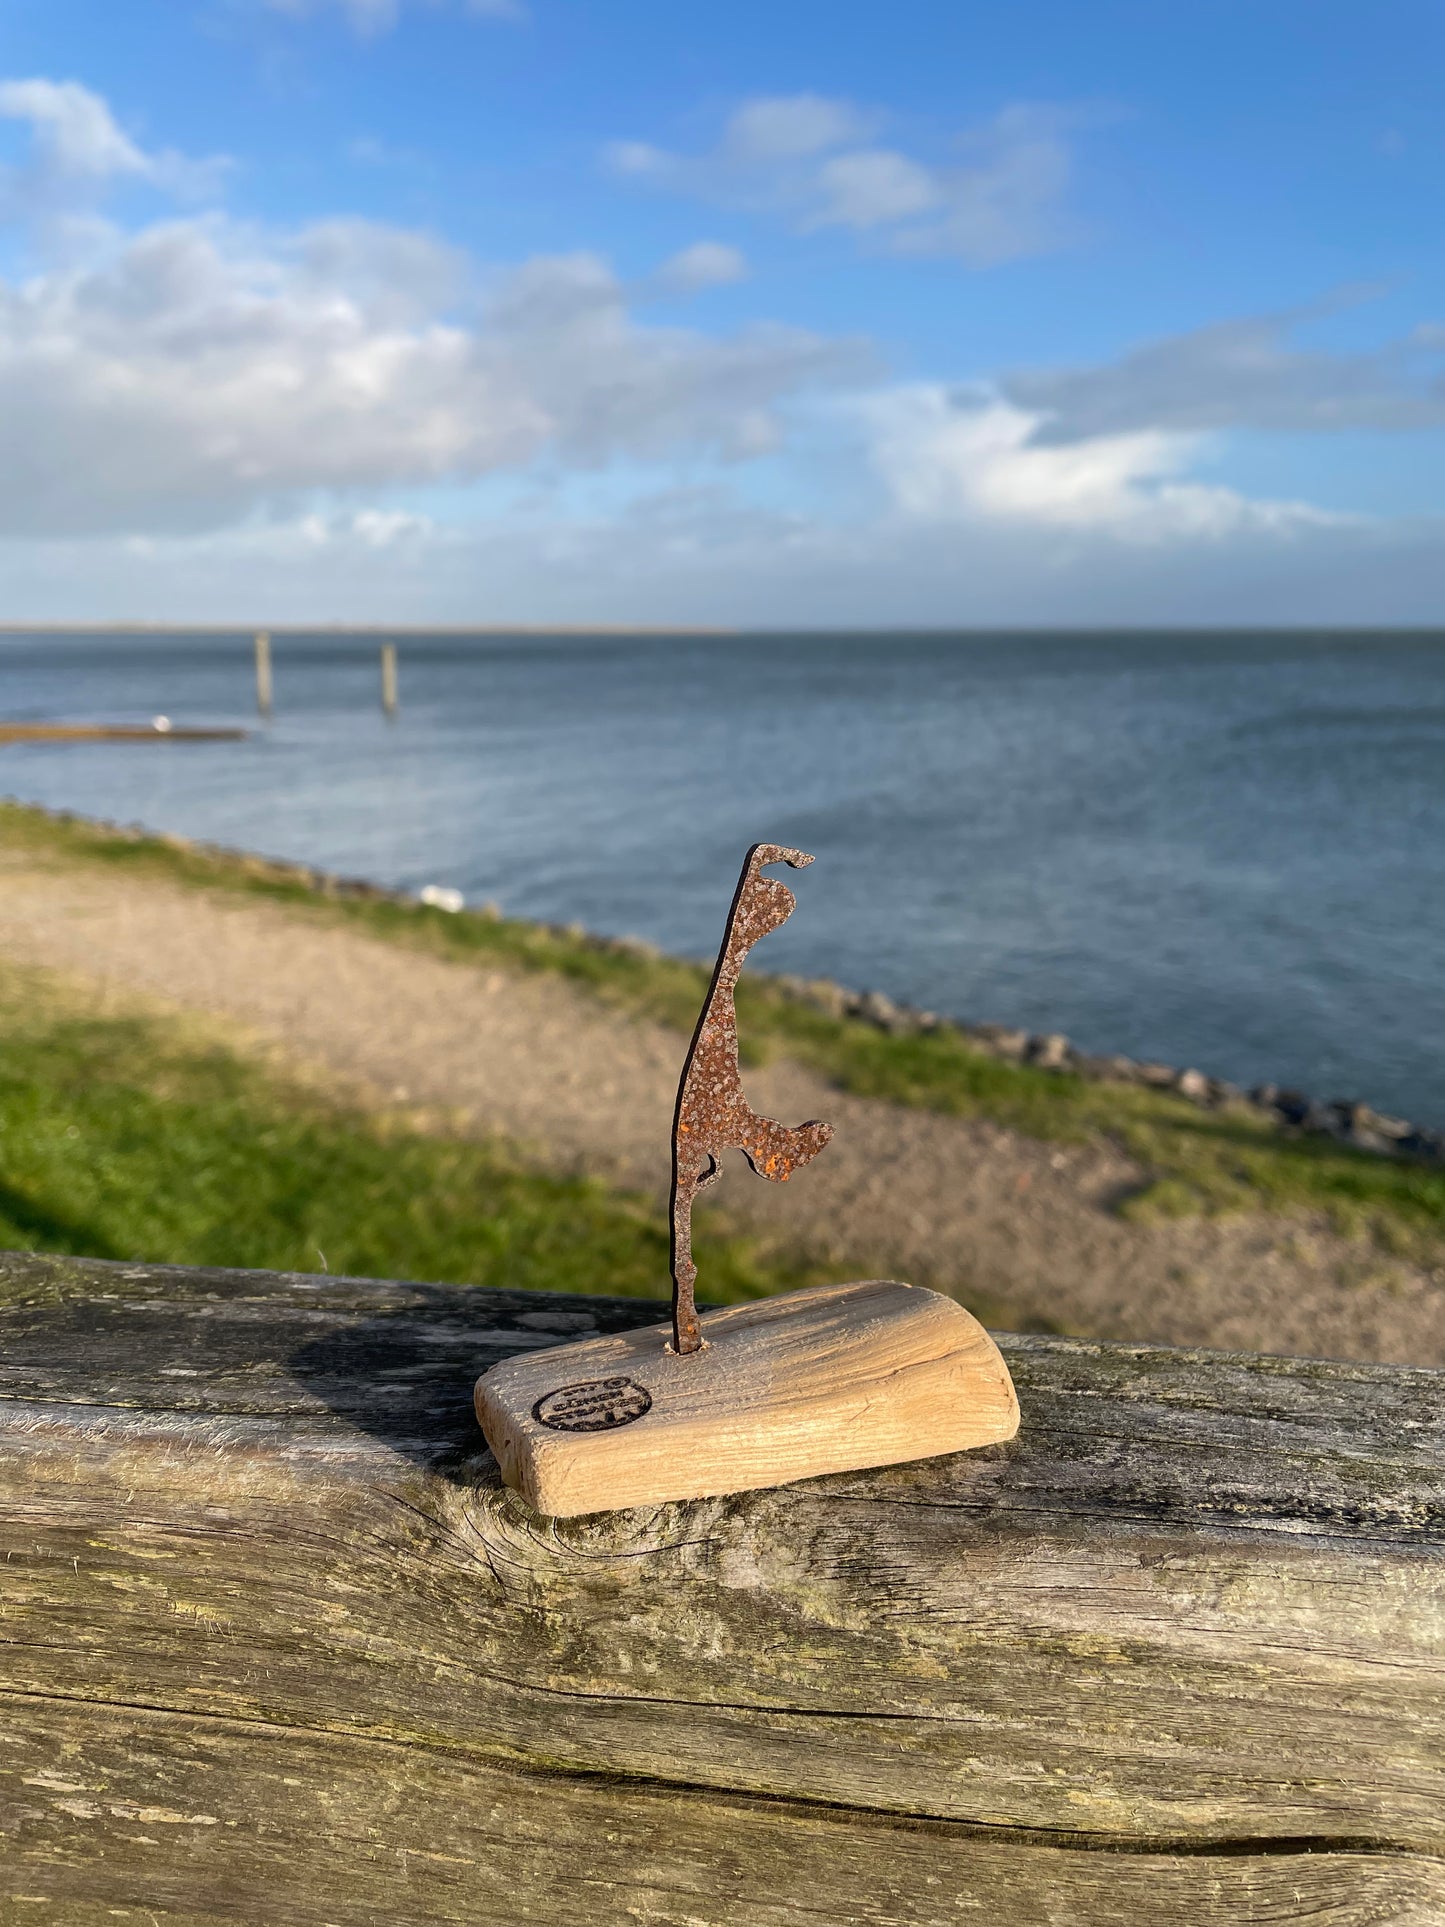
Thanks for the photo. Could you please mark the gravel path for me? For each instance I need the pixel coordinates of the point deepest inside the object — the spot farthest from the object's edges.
(1021, 1228)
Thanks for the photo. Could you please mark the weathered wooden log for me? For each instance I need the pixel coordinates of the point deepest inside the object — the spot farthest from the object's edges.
(278, 1647)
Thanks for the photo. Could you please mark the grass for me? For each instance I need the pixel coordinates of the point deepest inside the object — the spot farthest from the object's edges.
(1197, 1161)
(136, 1136)
(1211, 1162)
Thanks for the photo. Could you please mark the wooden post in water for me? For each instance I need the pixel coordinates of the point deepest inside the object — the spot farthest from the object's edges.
(388, 678)
(263, 672)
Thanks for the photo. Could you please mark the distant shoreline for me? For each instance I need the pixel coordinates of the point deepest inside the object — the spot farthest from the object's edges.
(1083, 630)
(361, 629)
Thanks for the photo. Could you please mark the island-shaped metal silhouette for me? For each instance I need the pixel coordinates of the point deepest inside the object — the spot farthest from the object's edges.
(712, 1113)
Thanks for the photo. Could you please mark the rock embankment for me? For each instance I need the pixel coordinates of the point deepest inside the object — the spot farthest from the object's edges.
(1344, 1120)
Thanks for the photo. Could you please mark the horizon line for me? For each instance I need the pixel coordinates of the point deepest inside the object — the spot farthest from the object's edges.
(342, 628)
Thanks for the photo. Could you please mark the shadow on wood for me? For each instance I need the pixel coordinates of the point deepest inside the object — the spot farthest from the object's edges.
(405, 1376)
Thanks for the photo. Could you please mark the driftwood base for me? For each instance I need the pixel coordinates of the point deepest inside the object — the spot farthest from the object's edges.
(832, 1380)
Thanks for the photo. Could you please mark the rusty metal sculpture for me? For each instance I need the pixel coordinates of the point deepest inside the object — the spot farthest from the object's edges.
(712, 1113)
(826, 1380)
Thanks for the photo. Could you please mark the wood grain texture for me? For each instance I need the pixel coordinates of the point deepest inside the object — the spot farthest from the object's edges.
(831, 1380)
(276, 1643)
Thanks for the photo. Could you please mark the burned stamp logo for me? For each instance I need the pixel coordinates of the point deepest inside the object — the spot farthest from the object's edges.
(594, 1405)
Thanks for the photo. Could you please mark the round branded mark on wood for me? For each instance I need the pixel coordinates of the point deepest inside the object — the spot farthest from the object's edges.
(593, 1405)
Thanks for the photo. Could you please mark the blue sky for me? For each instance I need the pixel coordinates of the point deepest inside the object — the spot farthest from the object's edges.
(529, 310)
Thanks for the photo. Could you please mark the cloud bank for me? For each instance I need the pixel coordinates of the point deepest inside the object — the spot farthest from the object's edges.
(203, 417)
(198, 371)
(1247, 373)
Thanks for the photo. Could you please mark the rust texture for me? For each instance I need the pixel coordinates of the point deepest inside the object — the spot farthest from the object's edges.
(712, 1113)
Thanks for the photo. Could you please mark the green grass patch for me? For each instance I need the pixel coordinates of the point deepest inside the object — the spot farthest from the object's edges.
(1196, 1161)
(138, 1137)
(1199, 1162)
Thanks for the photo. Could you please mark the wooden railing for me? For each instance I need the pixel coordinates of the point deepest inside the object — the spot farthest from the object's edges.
(276, 1646)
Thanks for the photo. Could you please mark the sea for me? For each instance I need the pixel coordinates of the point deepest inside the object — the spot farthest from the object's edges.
(1218, 850)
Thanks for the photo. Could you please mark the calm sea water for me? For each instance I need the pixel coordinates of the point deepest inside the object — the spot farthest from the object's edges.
(1222, 850)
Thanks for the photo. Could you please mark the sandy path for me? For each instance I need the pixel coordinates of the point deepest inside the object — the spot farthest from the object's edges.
(962, 1205)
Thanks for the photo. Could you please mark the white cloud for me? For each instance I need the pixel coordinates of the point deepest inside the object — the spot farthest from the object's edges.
(946, 457)
(199, 369)
(790, 127)
(636, 157)
(870, 188)
(816, 162)
(1006, 200)
(75, 131)
(372, 17)
(78, 148)
(706, 264)
(385, 528)
(397, 275)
